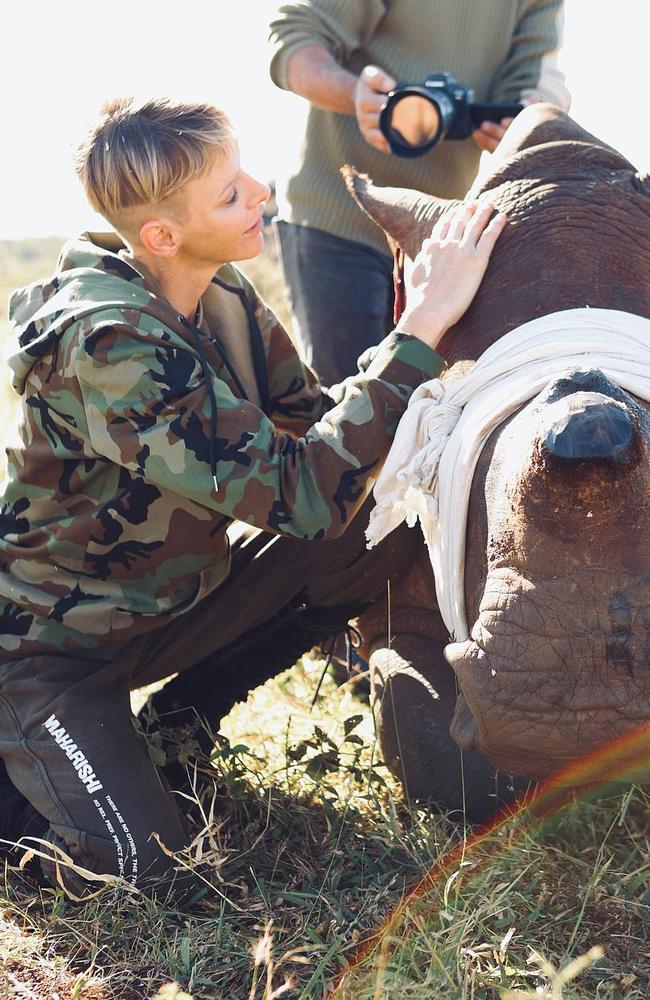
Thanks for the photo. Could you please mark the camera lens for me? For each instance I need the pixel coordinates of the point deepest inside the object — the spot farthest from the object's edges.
(414, 121)
(416, 117)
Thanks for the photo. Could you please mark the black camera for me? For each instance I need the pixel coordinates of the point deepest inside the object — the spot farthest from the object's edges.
(417, 116)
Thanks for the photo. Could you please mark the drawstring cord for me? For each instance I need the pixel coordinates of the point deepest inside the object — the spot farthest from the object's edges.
(213, 400)
(256, 344)
(259, 362)
(55, 359)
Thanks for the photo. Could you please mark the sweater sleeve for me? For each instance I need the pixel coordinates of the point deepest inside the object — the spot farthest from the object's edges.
(531, 68)
(341, 26)
(149, 410)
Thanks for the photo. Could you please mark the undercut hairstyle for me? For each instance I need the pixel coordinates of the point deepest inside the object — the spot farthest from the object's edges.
(141, 153)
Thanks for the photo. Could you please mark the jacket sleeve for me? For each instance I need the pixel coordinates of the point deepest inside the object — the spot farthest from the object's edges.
(531, 68)
(341, 26)
(148, 409)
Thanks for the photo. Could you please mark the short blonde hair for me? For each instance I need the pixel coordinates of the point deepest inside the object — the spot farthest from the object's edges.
(141, 153)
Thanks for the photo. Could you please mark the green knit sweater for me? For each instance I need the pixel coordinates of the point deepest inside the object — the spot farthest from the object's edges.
(504, 49)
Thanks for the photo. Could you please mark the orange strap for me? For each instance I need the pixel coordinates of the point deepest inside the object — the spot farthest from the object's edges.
(398, 283)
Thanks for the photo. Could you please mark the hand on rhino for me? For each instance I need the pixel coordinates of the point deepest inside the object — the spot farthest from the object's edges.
(448, 270)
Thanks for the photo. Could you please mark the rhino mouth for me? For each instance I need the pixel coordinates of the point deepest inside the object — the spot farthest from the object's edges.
(556, 676)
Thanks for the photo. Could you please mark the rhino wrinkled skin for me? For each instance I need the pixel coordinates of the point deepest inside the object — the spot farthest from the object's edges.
(557, 577)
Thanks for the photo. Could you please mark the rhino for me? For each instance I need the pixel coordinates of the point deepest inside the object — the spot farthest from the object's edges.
(556, 671)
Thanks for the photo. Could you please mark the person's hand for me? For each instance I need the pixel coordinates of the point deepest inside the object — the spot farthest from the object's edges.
(448, 270)
(489, 134)
(369, 99)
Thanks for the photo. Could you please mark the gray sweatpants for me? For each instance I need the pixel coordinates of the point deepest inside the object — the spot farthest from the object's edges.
(66, 730)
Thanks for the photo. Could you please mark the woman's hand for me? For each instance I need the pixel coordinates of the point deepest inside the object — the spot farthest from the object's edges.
(448, 270)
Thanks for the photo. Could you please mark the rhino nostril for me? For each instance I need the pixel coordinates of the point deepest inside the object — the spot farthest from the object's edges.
(589, 426)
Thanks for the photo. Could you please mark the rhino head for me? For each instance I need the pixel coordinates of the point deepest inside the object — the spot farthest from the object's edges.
(557, 580)
(558, 585)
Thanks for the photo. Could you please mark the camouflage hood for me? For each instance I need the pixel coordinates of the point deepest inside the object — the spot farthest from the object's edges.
(90, 276)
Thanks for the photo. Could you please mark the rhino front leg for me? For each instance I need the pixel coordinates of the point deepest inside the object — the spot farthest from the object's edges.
(414, 696)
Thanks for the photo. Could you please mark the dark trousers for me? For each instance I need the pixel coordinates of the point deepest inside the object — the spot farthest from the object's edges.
(340, 294)
(66, 731)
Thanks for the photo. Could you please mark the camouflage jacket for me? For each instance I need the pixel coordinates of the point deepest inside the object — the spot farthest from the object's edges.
(138, 443)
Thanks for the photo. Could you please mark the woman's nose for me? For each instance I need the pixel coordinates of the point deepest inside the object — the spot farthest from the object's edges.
(260, 192)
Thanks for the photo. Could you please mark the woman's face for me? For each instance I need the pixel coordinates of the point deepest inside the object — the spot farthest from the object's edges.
(221, 214)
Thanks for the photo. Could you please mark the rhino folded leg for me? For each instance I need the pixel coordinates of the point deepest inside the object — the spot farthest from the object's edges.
(414, 697)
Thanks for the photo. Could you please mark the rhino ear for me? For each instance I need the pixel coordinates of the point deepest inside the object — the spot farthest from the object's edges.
(407, 217)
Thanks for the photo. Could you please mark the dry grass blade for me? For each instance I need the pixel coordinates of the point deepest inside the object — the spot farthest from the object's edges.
(558, 977)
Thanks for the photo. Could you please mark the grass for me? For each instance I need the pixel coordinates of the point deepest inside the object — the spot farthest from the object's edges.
(324, 881)
(313, 851)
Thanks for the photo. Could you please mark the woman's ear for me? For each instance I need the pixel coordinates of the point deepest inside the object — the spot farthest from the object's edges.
(160, 237)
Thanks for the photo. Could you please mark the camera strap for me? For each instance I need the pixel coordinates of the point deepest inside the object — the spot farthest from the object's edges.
(398, 283)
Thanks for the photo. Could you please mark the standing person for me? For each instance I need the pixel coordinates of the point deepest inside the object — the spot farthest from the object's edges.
(161, 404)
(344, 57)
